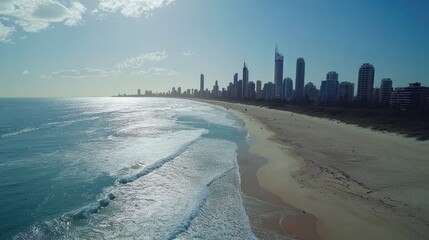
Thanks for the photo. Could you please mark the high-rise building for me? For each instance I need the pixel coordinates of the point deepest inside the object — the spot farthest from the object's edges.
(258, 89)
(288, 88)
(215, 91)
(310, 92)
(365, 84)
(323, 98)
(245, 92)
(332, 75)
(239, 88)
(235, 86)
(139, 92)
(385, 90)
(251, 90)
(375, 96)
(299, 79)
(329, 88)
(278, 74)
(346, 92)
(202, 85)
(269, 90)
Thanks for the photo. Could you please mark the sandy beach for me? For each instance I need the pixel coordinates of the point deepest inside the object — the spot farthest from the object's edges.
(348, 182)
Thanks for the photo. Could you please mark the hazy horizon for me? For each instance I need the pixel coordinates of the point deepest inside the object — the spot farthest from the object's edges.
(65, 48)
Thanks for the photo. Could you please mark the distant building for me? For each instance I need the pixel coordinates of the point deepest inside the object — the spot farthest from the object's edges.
(269, 91)
(202, 85)
(299, 79)
(258, 89)
(375, 96)
(235, 88)
(239, 88)
(139, 93)
(288, 88)
(412, 98)
(345, 93)
(229, 90)
(385, 91)
(245, 82)
(365, 84)
(310, 92)
(215, 91)
(278, 73)
(323, 92)
(179, 91)
(332, 76)
(251, 90)
(329, 88)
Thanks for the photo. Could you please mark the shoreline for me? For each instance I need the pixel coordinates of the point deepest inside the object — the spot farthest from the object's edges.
(312, 166)
(282, 218)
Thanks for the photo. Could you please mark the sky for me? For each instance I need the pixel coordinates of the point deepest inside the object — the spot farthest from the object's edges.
(66, 48)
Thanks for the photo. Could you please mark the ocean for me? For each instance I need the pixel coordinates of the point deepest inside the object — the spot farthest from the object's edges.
(129, 168)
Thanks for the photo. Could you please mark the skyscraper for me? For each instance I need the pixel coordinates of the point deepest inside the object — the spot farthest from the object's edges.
(346, 92)
(299, 80)
(202, 85)
(332, 75)
(310, 92)
(375, 98)
(278, 74)
(245, 91)
(269, 91)
(239, 88)
(258, 89)
(235, 88)
(288, 88)
(385, 90)
(329, 88)
(215, 91)
(251, 90)
(365, 84)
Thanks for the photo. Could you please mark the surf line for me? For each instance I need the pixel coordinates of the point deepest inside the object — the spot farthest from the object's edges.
(86, 212)
(157, 164)
(186, 222)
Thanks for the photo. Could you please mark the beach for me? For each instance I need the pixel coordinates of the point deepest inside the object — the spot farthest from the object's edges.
(346, 181)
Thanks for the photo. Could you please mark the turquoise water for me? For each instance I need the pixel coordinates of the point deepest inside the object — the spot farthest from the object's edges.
(143, 168)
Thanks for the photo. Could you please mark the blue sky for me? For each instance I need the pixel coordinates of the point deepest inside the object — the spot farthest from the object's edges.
(54, 48)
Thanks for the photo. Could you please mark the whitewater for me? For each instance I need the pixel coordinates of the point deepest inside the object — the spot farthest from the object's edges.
(120, 168)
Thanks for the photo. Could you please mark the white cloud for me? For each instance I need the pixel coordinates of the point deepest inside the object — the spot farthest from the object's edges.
(82, 73)
(131, 8)
(6, 33)
(188, 53)
(25, 72)
(37, 15)
(157, 71)
(137, 62)
(132, 65)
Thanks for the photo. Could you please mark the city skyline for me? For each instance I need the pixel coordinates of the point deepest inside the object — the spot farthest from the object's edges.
(97, 48)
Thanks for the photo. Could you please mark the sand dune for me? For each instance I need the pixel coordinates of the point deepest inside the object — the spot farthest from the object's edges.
(359, 183)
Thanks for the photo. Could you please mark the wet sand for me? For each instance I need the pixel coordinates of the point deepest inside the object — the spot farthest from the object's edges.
(357, 183)
(270, 216)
